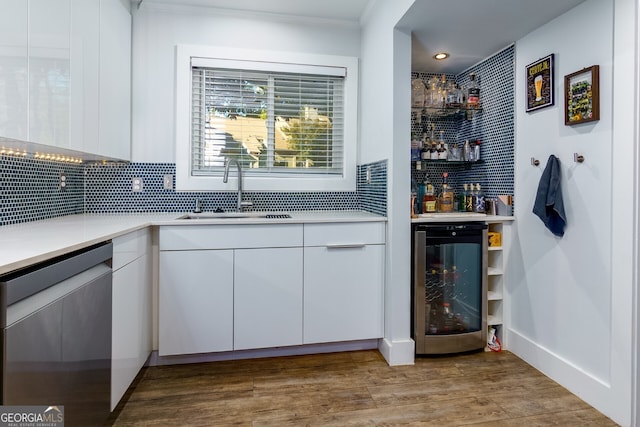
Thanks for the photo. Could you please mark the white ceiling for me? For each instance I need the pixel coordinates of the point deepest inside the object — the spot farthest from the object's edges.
(470, 30)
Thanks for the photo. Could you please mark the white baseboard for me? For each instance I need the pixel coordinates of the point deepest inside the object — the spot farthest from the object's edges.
(595, 391)
(156, 360)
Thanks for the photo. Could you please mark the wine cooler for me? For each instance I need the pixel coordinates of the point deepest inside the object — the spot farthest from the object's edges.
(449, 287)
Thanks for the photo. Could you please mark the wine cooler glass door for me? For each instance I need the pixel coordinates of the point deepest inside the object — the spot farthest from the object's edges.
(450, 288)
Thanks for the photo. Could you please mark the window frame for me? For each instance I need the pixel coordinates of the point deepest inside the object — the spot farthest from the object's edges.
(293, 181)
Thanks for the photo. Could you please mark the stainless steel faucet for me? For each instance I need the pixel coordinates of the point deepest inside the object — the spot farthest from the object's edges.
(241, 204)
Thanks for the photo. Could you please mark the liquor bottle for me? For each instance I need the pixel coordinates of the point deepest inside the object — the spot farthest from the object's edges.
(414, 207)
(443, 91)
(433, 150)
(462, 198)
(415, 148)
(473, 92)
(442, 149)
(425, 154)
(417, 93)
(429, 197)
(466, 151)
(468, 205)
(445, 201)
(479, 200)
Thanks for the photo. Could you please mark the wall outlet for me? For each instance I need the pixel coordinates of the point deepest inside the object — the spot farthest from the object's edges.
(136, 185)
(167, 182)
(62, 182)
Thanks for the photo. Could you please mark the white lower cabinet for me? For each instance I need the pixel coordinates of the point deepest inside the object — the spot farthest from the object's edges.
(131, 323)
(195, 302)
(267, 298)
(240, 287)
(342, 293)
(343, 282)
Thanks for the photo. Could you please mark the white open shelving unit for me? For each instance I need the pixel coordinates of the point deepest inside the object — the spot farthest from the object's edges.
(495, 288)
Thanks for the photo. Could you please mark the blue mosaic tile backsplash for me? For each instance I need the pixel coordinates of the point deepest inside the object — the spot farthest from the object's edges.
(30, 191)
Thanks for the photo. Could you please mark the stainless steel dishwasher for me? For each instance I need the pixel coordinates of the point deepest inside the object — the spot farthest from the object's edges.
(56, 335)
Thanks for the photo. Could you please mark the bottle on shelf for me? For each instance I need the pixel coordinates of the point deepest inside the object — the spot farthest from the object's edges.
(417, 93)
(473, 92)
(414, 206)
(476, 151)
(420, 190)
(443, 91)
(442, 148)
(462, 198)
(429, 197)
(416, 151)
(469, 201)
(479, 200)
(433, 150)
(454, 152)
(425, 153)
(445, 201)
(466, 151)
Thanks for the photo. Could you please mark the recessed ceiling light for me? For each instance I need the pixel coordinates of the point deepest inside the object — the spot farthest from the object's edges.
(441, 55)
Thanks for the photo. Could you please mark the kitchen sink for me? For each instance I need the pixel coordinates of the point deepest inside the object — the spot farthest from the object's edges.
(234, 215)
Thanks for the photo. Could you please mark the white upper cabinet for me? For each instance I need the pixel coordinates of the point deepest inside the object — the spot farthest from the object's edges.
(85, 74)
(115, 79)
(13, 69)
(65, 74)
(49, 66)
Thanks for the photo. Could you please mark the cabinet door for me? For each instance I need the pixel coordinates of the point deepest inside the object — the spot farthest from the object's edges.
(343, 293)
(115, 79)
(85, 69)
(49, 31)
(195, 313)
(13, 69)
(131, 334)
(267, 298)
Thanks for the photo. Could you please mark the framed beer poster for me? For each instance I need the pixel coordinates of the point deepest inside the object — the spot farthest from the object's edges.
(540, 83)
(582, 96)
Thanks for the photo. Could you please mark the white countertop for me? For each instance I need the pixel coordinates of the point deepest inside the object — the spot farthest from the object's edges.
(28, 243)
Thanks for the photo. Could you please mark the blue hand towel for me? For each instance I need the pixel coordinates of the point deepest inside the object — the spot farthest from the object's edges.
(548, 205)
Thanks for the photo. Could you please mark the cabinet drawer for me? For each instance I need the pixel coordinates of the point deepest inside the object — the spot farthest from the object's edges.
(230, 236)
(344, 234)
(130, 247)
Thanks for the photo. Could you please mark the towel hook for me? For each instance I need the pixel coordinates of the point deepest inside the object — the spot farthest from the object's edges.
(535, 162)
(578, 158)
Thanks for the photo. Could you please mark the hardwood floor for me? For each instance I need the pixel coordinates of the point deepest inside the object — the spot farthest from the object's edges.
(353, 389)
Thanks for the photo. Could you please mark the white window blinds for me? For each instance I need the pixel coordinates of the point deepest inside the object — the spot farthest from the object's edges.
(272, 122)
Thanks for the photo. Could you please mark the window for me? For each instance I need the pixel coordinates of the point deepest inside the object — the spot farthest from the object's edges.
(291, 125)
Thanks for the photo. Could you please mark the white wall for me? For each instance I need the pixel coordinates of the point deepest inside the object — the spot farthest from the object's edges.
(157, 29)
(385, 75)
(570, 298)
